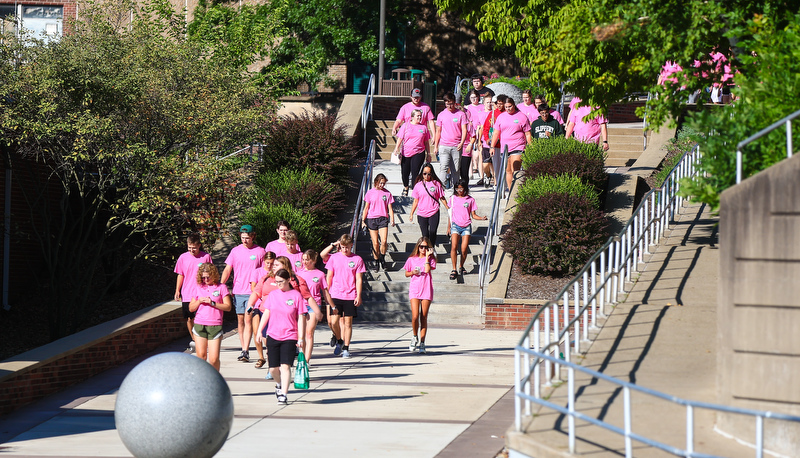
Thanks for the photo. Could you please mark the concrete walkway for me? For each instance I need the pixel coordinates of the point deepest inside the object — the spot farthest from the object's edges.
(663, 337)
(385, 401)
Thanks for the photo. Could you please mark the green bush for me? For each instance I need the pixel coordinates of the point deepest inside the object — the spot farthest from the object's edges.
(590, 170)
(544, 149)
(303, 189)
(555, 234)
(572, 185)
(684, 141)
(265, 216)
(310, 141)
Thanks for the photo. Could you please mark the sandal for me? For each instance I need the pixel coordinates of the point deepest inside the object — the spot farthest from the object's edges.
(260, 363)
(453, 274)
(463, 271)
(405, 192)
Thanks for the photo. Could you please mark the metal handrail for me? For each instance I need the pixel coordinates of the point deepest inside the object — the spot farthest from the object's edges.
(457, 90)
(601, 280)
(366, 111)
(627, 388)
(645, 123)
(787, 120)
(495, 224)
(366, 182)
(257, 147)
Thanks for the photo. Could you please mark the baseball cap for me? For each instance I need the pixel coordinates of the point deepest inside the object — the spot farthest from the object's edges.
(416, 93)
(246, 229)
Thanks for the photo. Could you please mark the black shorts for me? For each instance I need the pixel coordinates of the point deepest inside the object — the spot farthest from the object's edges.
(487, 158)
(186, 313)
(281, 352)
(374, 224)
(344, 307)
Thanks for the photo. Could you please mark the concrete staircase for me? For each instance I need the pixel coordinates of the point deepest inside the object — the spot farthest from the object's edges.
(455, 302)
(625, 141)
(381, 132)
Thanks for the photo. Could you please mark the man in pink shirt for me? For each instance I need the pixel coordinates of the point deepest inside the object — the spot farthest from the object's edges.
(186, 268)
(242, 261)
(587, 131)
(278, 246)
(345, 279)
(451, 133)
(404, 115)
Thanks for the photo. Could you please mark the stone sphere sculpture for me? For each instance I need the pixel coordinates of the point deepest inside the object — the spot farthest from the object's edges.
(173, 405)
(507, 89)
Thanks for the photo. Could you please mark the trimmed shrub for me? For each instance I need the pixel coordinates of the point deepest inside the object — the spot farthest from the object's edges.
(590, 170)
(555, 234)
(312, 141)
(562, 184)
(547, 148)
(303, 189)
(265, 216)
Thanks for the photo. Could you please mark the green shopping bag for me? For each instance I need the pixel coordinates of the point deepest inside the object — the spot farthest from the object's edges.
(301, 373)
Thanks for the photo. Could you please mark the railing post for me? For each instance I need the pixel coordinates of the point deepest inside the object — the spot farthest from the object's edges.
(626, 395)
(571, 407)
(556, 327)
(517, 401)
(789, 148)
(759, 436)
(548, 369)
(537, 335)
(527, 372)
(585, 303)
(689, 430)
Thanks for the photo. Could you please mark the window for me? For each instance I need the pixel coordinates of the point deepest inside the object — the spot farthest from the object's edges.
(37, 20)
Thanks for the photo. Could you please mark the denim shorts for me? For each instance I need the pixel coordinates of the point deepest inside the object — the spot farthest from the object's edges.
(462, 231)
(240, 302)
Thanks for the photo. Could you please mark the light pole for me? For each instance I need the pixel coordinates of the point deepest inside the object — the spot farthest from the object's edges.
(381, 45)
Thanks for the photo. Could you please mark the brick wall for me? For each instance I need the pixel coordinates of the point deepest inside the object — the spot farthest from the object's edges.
(50, 376)
(515, 316)
(624, 112)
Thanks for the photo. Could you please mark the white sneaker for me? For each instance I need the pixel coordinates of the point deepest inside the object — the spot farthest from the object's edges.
(413, 344)
(422, 348)
(346, 354)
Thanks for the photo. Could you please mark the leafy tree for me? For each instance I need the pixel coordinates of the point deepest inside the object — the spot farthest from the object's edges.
(126, 123)
(605, 50)
(765, 94)
(298, 40)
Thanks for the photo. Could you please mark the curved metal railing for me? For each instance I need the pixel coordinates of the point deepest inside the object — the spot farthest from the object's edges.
(366, 111)
(495, 224)
(787, 120)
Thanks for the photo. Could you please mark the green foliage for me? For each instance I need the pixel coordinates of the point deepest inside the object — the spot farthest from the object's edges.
(561, 184)
(555, 234)
(126, 122)
(310, 141)
(545, 149)
(591, 171)
(265, 216)
(765, 94)
(606, 50)
(684, 141)
(302, 189)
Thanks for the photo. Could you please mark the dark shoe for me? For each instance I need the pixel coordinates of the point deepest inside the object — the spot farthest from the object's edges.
(376, 267)
(462, 271)
(333, 341)
(241, 356)
(405, 192)
(260, 363)
(486, 184)
(382, 263)
(245, 357)
(479, 183)
(453, 274)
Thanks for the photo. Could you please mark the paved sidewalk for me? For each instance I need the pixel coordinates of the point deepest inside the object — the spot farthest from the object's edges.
(663, 337)
(385, 401)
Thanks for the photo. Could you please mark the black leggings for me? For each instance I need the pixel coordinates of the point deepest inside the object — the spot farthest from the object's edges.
(428, 226)
(466, 168)
(409, 166)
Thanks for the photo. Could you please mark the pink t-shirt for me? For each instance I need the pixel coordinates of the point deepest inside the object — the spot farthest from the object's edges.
(420, 286)
(345, 269)
(473, 111)
(415, 137)
(462, 209)
(279, 247)
(244, 261)
(451, 123)
(427, 205)
(296, 259)
(587, 132)
(315, 279)
(512, 130)
(206, 314)
(530, 111)
(187, 266)
(284, 308)
(408, 109)
(379, 201)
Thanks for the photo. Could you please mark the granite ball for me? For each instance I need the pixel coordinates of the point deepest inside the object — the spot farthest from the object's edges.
(173, 405)
(508, 90)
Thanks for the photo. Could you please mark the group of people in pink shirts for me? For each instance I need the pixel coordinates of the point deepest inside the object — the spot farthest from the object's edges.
(277, 293)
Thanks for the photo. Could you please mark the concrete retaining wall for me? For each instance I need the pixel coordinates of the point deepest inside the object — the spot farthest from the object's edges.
(759, 304)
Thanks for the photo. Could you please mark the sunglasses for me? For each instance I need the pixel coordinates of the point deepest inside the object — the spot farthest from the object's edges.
(424, 247)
